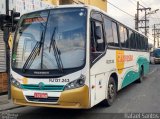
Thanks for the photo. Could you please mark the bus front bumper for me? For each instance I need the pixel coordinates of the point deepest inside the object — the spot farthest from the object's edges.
(75, 98)
(157, 60)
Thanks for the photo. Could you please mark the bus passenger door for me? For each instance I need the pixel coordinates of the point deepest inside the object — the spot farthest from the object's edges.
(97, 50)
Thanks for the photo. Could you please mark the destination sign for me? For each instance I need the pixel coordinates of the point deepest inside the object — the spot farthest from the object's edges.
(35, 20)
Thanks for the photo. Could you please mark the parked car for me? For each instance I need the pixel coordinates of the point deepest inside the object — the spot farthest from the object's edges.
(155, 56)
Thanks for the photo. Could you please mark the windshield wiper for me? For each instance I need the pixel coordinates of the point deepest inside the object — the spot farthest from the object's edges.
(36, 51)
(56, 51)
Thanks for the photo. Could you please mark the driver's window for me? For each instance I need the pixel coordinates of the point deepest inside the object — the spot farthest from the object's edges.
(99, 37)
(97, 40)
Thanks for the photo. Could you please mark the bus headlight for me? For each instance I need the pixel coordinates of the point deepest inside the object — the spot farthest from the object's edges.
(76, 83)
(15, 82)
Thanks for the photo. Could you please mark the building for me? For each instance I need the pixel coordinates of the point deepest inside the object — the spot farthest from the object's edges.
(24, 6)
(3, 75)
(2, 7)
(102, 4)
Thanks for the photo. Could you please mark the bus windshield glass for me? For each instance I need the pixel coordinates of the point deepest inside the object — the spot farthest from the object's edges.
(157, 52)
(50, 40)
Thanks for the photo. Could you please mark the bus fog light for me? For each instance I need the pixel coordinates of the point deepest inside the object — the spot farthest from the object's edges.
(15, 82)
(76, 83)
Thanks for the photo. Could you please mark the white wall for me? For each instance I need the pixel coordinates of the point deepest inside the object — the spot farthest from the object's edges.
(2, 6)
(23, 6)
(29, 5)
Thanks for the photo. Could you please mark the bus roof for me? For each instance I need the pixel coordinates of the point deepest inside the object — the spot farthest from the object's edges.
(85, 6)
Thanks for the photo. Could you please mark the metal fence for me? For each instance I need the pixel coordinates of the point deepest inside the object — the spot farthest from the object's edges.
(2, 54)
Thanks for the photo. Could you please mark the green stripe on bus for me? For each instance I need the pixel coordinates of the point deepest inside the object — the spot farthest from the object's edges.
(131, 75)
(45, 87)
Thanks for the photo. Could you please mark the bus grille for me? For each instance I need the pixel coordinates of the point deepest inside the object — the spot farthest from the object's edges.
(49, 99)
(46, 87)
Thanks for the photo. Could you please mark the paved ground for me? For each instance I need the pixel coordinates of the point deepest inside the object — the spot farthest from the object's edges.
(136, 98)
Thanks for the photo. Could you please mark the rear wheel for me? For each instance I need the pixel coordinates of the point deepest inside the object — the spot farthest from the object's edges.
(141, 76)
(111, 92)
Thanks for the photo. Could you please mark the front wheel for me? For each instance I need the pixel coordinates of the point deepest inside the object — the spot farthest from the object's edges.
(111, 92)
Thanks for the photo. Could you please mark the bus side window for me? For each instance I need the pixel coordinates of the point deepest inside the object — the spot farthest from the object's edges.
(111, 33)
(115, 34)
(146, 44)
(123, 36)
(132, 38)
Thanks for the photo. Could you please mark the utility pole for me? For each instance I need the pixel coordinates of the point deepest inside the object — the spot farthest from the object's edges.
(146, 23)
(144, 20)
(6, 37)
(158, 36)
(7, 24)
(156, 33)
(7, 7)
(137, 17)
(158, 40)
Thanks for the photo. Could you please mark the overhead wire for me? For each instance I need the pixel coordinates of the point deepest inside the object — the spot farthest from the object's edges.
(120, 9)
(132, 2)
(130, 14)
(135, 0)
(155, 17)
(144, 3)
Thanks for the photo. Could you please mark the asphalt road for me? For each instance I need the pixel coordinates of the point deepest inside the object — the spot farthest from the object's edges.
(136, 98)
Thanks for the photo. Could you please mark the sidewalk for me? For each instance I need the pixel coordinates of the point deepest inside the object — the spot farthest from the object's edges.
(6, 104)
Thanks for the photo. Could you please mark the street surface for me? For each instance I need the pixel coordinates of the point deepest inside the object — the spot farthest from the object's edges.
(136, 98)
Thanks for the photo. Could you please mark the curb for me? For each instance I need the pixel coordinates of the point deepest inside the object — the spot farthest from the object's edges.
(10, 108)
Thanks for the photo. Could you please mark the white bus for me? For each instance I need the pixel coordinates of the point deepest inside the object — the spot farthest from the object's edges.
(155, 56)
(74, 56)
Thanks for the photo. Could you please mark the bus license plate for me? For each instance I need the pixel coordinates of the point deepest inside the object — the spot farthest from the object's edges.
(40, 95)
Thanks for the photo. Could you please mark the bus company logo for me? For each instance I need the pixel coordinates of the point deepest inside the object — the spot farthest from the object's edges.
(41, 86)
(124, 58)
(121, 58)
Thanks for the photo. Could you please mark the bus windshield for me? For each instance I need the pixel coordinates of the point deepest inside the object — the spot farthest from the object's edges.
(157, 52)
(51, 40)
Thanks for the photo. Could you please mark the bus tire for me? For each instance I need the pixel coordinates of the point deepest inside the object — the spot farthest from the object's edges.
(141, 75)
(112, 92)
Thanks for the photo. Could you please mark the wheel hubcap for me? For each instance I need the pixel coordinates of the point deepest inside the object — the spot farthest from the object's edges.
(111, 91)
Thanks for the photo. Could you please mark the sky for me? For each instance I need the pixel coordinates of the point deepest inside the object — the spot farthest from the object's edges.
(130, 7)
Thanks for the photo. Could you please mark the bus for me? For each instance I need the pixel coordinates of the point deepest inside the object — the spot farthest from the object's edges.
(155, 56)
(74, 56)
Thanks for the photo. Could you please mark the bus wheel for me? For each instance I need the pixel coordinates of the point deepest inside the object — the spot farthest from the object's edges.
(141, 76)
(112, 92)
